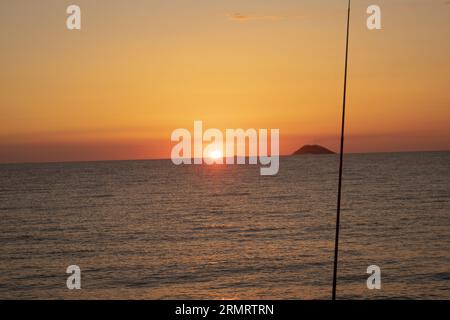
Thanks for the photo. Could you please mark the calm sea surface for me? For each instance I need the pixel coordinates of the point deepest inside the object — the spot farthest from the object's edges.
(149, 229)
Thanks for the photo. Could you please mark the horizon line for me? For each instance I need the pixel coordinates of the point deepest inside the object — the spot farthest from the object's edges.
(168, 159)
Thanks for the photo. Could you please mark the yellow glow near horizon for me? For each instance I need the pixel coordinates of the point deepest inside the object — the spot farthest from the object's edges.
(216, 154)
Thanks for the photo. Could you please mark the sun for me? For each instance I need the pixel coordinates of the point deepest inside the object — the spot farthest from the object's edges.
(215, 154)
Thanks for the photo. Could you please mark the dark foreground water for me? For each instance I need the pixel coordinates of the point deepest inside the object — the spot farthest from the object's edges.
(149, 229)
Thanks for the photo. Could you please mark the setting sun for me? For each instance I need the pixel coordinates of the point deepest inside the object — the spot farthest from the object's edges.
(216, 154)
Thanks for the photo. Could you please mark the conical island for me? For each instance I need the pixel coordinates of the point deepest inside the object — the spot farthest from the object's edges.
(312, 149)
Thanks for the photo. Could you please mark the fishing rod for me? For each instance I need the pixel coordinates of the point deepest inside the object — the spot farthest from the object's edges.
(341, 158)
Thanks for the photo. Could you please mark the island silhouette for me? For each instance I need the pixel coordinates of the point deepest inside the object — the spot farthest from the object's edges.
(312, 149)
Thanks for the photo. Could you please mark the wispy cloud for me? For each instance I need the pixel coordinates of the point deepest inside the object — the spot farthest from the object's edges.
(236, 16)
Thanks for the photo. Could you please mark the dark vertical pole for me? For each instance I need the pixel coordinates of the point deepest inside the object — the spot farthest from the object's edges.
(338, 213)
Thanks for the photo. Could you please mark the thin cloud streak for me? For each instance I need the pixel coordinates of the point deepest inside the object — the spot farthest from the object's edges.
(236, 16)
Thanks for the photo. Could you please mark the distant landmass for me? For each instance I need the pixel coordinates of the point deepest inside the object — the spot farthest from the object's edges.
(312, 149)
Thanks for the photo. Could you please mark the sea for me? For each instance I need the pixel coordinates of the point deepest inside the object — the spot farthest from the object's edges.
(153, 230)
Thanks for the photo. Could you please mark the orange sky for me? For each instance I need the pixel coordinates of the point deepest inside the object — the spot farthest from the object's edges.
(137, 71)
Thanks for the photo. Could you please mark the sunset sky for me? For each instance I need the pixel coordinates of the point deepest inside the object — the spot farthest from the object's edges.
(140, 69)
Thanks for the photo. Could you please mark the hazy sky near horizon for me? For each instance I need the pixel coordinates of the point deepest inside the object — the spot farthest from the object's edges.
(140, 69)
